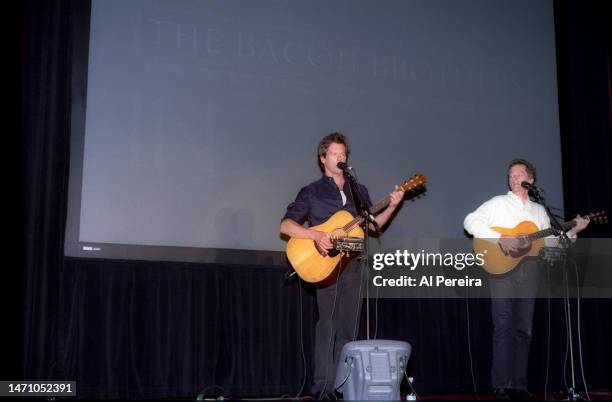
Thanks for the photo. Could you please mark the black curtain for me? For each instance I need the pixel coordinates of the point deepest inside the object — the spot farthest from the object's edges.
(584, 74)
(139, 329)
(45, 161)
(136, 329)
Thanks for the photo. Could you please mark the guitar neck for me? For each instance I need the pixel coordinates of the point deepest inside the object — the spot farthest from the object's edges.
(380, 205)
(550, 231)
(376, 208)
(414, 184)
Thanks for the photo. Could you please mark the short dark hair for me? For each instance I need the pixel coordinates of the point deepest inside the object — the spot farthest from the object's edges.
(531, 170)
(335, 137)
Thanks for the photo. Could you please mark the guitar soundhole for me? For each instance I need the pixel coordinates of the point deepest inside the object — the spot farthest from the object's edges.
(333, 252)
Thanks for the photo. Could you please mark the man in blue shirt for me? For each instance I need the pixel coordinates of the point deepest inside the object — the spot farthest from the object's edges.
(339, 304)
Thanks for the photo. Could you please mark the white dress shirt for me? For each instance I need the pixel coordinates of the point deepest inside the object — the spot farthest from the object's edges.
(505, 211)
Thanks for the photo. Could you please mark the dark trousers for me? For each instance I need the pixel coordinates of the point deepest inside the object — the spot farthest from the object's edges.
(512, 304)
(339, 308)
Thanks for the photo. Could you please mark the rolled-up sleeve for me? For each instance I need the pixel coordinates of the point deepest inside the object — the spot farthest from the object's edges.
(299, 209)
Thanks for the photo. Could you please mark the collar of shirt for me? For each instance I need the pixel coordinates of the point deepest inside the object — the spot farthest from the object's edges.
(527, 205)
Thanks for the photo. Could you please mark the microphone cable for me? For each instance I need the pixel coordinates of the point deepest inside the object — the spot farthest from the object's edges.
(548, 267)
(469, 342)
(301, 339)
(578, 325)
(331, 334)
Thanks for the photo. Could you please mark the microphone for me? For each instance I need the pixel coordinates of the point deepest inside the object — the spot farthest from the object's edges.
(535, 190)
(528, 186)
(344, 166)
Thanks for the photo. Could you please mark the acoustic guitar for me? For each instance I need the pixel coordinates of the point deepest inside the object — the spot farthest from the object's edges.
(315, 265)
(531, 241)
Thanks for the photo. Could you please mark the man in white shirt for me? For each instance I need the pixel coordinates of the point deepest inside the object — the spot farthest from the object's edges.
(512, 294)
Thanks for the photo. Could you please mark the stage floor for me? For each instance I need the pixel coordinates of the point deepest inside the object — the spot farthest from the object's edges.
(596, 395)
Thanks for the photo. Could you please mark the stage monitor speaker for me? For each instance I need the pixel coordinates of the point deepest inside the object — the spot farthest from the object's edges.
(372, 369)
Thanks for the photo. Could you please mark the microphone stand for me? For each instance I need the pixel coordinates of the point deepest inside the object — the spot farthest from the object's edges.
(364, 212)
(566, 243)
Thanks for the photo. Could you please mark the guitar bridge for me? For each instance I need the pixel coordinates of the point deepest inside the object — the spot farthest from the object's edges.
(348, 244)
(552, 255)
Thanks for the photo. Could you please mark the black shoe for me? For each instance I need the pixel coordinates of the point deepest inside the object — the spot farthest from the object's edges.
(523, 395)
(502, 394)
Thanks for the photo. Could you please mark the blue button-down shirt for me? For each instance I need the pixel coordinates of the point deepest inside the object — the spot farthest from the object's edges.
(321, 199)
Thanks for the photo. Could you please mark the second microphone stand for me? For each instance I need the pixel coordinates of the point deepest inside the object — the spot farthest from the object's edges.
(565, 242)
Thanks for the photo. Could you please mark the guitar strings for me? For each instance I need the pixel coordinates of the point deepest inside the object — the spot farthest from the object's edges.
(380, 204)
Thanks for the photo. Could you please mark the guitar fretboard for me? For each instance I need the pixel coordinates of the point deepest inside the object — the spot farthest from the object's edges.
(550, 231)
(383, 203)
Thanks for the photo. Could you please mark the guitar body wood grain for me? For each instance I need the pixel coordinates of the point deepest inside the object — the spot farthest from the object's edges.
(307, 261)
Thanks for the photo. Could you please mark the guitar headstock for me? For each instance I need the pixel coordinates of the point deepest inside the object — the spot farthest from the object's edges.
(415, 184)
(598, 217)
